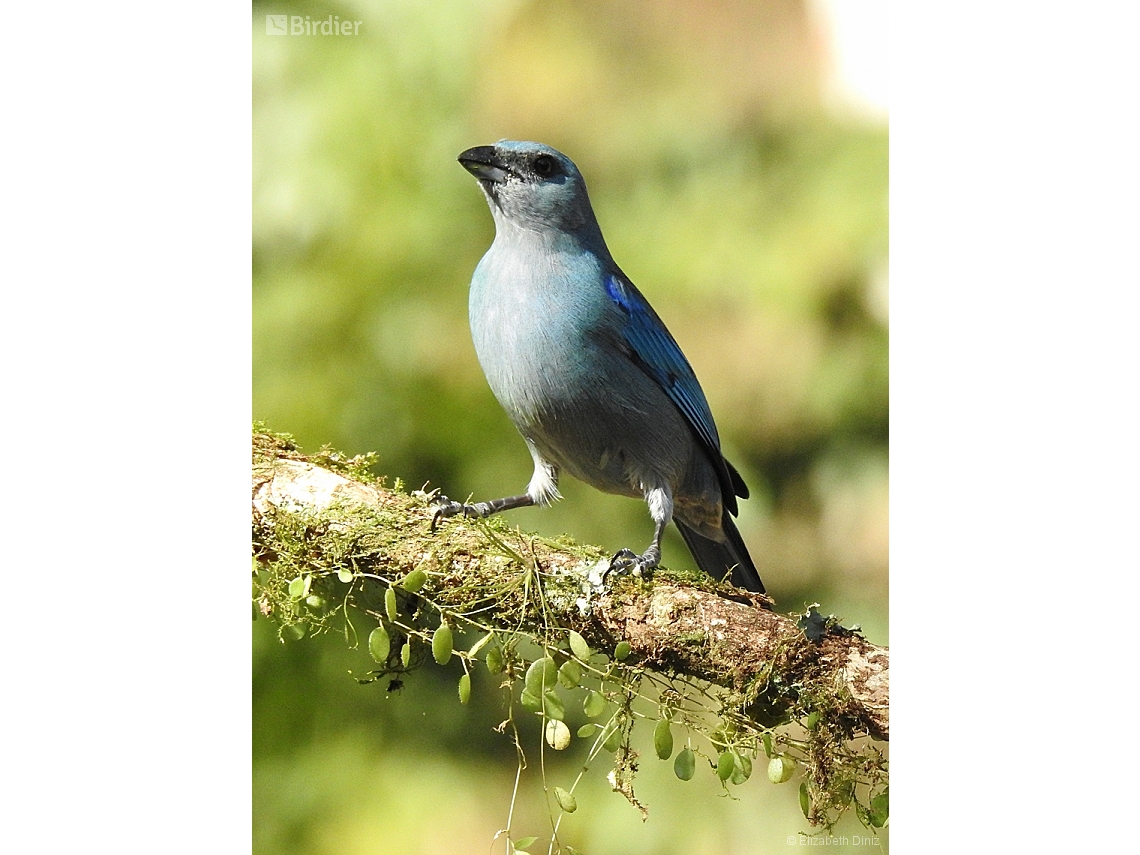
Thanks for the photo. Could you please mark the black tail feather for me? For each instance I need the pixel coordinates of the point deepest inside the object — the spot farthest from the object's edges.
(717, 559)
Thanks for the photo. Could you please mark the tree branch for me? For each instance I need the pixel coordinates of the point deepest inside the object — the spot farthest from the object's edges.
(321, 514)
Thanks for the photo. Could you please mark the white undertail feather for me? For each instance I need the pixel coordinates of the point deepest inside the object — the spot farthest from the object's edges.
(660, 504)
(543, 486)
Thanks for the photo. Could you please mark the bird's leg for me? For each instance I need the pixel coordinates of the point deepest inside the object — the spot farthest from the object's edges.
(445, 507)
(626, 561)
(542, 490)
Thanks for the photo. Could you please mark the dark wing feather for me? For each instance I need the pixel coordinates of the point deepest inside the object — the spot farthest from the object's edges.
(657, 354)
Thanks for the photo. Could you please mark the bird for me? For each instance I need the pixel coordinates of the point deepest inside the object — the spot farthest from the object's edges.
(587, 371)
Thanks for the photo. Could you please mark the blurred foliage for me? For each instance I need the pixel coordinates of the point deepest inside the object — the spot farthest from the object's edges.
(753, 219)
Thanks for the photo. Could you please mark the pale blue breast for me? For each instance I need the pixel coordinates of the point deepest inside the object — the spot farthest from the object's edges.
(533, 311)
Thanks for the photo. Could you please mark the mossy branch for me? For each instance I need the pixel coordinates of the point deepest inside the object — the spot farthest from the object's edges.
(321, 515)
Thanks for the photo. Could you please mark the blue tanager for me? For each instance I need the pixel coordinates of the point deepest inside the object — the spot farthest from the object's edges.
(586, 369)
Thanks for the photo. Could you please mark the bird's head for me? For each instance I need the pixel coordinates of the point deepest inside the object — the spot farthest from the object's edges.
(531, 186)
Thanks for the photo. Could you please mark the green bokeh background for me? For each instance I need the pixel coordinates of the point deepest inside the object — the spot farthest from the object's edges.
(746, 206)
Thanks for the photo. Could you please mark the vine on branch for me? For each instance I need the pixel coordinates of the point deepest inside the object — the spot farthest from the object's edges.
(684, 654)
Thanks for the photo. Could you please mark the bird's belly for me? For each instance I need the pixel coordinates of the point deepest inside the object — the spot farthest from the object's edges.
(604, 422)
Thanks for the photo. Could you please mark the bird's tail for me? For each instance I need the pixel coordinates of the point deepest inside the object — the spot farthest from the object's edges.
(717, 559)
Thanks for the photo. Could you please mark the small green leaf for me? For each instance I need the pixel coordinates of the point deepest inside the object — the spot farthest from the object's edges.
(294, 632)
(299, 587)
(622, 650)
(570, 674)
(441, 641)
(557, 734)
(719, 738)
(565, 800)
(552, 706)
(805, 800)
(541, 675)
(881, 801)
(780, 769)
(767, 740)
(594, 705)
(464, 688)
(406, 653)
(414, 581)
(742, 771)
(663, 739)
(579, 647)
(685, 764)
(495, 659)
(379, 644)
(880, 812)
(811, 721)
(524, 842)
(613, 739)
(390, 606)
(314, 602)
(725, 764)
(344, 575)
(588, 729)
(530, 701)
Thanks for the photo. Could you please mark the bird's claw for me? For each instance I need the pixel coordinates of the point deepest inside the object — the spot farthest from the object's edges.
(626, 562)
(444, 507)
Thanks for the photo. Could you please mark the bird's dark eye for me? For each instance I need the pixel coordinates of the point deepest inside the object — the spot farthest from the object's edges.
(544, 165)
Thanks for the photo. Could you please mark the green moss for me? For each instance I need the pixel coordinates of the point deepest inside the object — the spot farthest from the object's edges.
(330, 568)
(692, 639)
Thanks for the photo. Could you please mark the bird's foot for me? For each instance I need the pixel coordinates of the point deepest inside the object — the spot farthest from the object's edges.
(624, 563)
(628, 563)
(444, 507)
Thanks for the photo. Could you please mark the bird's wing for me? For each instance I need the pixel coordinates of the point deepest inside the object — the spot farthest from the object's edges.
(657, 354)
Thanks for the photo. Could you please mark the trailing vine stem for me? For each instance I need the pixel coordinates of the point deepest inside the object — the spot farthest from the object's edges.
(801, 691)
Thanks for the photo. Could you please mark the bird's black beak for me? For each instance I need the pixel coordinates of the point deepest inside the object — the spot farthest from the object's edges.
(484, 163)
